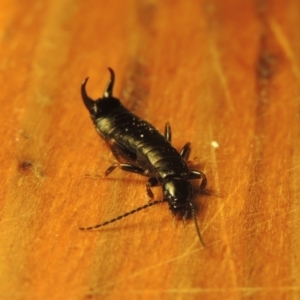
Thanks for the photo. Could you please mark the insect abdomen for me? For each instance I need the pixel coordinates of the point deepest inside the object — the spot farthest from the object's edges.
(150, 148)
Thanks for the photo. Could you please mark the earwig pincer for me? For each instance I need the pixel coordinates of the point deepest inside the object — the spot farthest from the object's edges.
(141, 149)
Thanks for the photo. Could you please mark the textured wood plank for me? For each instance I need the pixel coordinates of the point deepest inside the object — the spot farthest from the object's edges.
(223, 71)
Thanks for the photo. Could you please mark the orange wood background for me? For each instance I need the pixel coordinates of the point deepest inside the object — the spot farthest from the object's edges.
(224, 71)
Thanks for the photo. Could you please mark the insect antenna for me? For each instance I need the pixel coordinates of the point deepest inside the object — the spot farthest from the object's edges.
(196, 224)
(124, 215)
(109, 90)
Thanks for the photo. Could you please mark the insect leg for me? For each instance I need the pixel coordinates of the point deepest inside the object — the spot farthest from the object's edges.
(127, 168)
(194, 174)
(185, 151)
(153, 181)
(168, 132)
(133, 169)
(110, 169)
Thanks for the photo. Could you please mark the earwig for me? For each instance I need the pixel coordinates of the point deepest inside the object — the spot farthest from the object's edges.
(140, 148)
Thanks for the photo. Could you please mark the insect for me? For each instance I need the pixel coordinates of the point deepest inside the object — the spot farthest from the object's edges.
(140, 148)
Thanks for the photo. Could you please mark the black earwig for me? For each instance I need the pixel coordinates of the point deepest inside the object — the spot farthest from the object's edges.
(141, 149)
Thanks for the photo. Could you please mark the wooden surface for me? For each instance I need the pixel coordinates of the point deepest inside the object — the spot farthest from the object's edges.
(223, 71)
